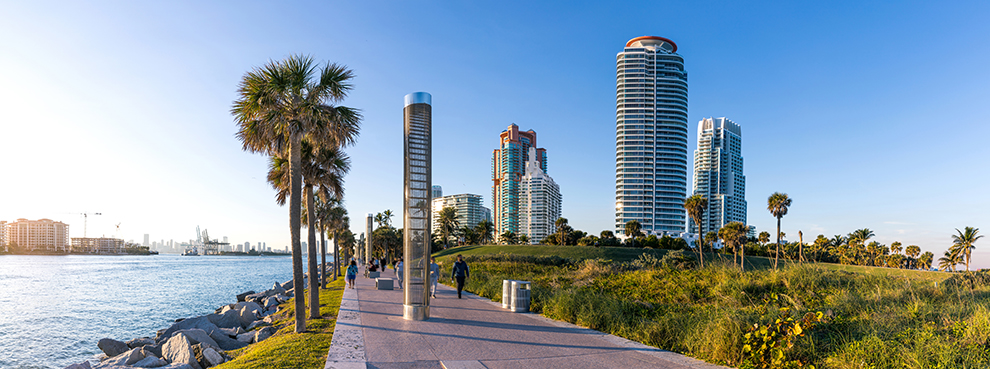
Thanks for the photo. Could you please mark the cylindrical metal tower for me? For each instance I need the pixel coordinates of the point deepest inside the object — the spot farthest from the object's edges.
(418, 181)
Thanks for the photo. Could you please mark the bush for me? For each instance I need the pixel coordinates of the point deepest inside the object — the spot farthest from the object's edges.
(678, 259)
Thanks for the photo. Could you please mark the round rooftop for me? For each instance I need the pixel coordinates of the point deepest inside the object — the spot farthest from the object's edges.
(656, 41)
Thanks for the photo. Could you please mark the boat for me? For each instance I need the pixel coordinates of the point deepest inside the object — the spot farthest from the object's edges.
(191, 252)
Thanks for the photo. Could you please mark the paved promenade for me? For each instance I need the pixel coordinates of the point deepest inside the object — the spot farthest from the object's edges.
(474, 332)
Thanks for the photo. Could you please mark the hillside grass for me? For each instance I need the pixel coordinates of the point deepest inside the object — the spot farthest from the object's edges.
(287, 349)
(873, 317)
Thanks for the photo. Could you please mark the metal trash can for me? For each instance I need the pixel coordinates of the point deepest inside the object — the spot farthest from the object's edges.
(520, 296)
(506, 293)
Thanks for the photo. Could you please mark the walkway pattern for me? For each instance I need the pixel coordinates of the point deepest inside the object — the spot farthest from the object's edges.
(474, 332)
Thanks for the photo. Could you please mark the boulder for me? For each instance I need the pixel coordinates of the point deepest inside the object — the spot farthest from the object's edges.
(229, 319)
(225, 342)
(256, 324)
(176, 366)
(251, 305)
(112, 347)
(256, 297)
(247, 316)
(277, 289)
(271, 302)
(263, 333)
(231, 332)
(150, 362)
(282, 297)
(82, 365)
(130, 357)
(178, 349)
(211, 357)
(246, 337)
(225, 308)
(139, 342)
(287, 285)
(200, 322)
(269, 319)
(241, 296)
(153, 349)
(199, 336)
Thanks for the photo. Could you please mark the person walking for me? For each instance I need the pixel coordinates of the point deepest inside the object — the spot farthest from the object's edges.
(398, 272)
(352, 272)
(460, 273)
(434, 276)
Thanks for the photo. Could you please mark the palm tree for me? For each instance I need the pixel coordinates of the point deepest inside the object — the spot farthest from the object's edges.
(387, 217)
(508, 238)
(733, 234)
(523, 239)
(486, 231)
(895, 247)
(925, 260)
(764, 237)
(964, 240)
(379, 220)
(562, 230)
(821, 244)
(777, 204)
(948, 262)
(278, 105)
(696, 206)
(912, 252)
(633, 230)
(447, 222)
(337, 222)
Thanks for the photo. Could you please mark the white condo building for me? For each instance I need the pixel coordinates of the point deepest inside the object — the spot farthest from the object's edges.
(539, 201)
(651, 136)
(44, 234)
(467, 206)
(3, 235)
(718, 173)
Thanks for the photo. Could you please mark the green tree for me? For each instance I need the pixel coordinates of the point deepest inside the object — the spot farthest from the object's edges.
(948, 261)
(508, 238)
(486, 231)
(778, 204)
(633, 229)
(447, 223)
(925, 260)
(283, 102)
(562, 230)
(963, 241)
(696, 206)
(469, 235)
(523, 239)
(764, 237)
(912, 252)
(821, 245)
(895, 247)
(733, 235)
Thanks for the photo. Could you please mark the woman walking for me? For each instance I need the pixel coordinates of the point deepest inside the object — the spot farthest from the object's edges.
(434, 276)
(352, 272)
(398, 272)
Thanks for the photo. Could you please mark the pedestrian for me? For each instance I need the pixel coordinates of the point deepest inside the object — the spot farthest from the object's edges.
(460, 273)
(398, 271)
(434, 276)
(352, 271)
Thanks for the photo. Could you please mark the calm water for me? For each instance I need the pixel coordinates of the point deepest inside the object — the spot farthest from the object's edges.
(55, 308)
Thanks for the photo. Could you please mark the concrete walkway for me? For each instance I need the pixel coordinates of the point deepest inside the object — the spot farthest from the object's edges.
(474, 332)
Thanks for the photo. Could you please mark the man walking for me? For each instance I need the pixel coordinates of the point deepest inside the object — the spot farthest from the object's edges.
(460, 273)
(434, 276)
(398, 271)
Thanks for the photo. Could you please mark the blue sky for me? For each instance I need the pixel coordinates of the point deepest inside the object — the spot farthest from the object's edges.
(868, 114)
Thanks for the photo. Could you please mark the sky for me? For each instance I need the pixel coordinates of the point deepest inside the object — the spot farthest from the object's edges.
(867, 114)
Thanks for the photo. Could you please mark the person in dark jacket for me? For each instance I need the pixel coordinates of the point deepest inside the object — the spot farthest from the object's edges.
(460, 273)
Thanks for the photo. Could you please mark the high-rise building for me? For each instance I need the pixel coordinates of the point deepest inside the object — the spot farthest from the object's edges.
(437, 191)
(44, 234)
(3, 235)
(718, 173)
(539, 202)
(468, 208)
(508, 168)
(651, 136)
(147, 237)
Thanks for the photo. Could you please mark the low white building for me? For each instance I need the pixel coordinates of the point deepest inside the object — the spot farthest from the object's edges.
(102, 245)
(539, 202)
(467, 206)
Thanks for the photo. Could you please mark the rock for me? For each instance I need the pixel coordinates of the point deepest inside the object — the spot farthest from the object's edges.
(225, 309)
(229, 319)
(257, 298)
(271, 302)
(211, 357)
(290, 292)
(282, 297)
(112, 347)
(230, 332)
(155, 350)
(200, 322)
(139, 342)
(256, 324)
(82, 365)
(130, 357)
(251, 305)
(269, 319)
(178, 349)
(246, 337)
(277, 289)
(241, 296)
(264, 333)
(199, 336)
(247, 316)
(150, 362)
(287, 285)
(176, 366)
(225, 342)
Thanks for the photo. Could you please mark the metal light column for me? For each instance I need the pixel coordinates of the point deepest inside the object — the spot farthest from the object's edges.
(367, 244)
(417, 116)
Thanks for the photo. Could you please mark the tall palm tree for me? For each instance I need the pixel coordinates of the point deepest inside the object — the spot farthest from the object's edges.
(283, 102)
(633, 230)
(508, 238)
(733, 234)
(387, 217)
(764, 237)
(925, 260)
(777, 204)
(696, 206)
(486, 231)
(948, 262)
(821, 244)
(447, 222)
(963, 240)
(895, 247)
(337, 222)
(912, 252)
(562, 230)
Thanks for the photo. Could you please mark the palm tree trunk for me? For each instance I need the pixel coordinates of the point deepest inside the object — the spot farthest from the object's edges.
(701, 247)
(776, 255)
(295, 205)
(742, 258)
(323, 257)
(336, 256)
(314, 280)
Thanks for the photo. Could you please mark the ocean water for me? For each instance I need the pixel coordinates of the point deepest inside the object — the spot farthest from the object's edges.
(54, 309)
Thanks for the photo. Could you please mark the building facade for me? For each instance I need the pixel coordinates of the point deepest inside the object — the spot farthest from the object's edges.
(718, 173)
(101, 245)
(508, 168)
(539, 202)
(437, 191)
(3, 235)
(41, 234)
(651, 143)
(468, 207)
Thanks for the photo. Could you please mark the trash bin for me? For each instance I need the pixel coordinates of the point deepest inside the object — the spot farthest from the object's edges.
(520, 296)
(506, 293)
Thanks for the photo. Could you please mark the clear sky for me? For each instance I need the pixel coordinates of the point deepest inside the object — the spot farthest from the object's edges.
(868, 114)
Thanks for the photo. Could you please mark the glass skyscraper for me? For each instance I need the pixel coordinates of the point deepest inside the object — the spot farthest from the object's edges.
(651, 134)
(718, 173)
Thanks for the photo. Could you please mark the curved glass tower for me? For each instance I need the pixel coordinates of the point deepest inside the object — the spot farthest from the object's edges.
(651, 136)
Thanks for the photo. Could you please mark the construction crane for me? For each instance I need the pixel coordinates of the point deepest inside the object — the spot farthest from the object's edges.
(86, 220)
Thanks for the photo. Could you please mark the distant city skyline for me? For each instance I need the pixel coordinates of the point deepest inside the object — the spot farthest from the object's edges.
(868, 115)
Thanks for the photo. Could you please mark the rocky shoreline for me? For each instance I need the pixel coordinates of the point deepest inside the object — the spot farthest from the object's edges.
(200, 342)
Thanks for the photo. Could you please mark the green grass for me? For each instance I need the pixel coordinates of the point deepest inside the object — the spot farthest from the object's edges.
(874, 317)
(287, 349)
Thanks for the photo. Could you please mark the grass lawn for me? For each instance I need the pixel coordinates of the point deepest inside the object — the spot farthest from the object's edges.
(287, 349)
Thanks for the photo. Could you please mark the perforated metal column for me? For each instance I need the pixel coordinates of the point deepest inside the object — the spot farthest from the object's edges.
(416, 217)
